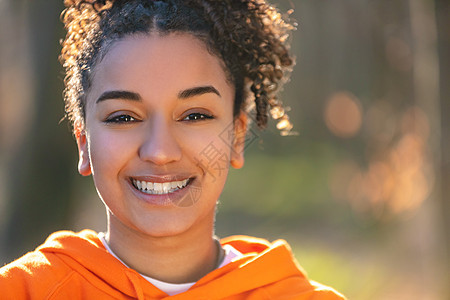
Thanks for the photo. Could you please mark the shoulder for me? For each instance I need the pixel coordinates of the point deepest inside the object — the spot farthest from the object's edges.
(286, 278)
(31, 264)
(295, 288)
(37, 273)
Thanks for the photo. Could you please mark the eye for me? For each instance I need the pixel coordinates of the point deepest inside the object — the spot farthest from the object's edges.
(197, 117)
(120, 119)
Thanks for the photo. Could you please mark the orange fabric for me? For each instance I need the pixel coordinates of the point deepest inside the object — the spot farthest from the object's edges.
(77, 266)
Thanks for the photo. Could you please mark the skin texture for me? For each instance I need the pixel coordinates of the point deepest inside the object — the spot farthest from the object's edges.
(161, 135)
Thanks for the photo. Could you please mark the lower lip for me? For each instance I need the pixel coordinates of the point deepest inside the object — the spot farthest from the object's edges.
(169, 199)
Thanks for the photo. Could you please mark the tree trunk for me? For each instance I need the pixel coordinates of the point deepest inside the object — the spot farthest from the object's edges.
(443, 34)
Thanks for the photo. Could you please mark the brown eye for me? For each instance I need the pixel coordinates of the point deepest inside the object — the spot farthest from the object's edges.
(120, 119)
(197, 117)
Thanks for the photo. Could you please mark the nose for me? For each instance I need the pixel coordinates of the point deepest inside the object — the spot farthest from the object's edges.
(160, 145)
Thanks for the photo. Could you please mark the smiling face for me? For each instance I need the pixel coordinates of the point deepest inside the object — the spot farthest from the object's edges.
(159, 134)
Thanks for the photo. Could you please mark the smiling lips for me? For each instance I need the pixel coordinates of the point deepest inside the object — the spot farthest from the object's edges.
(160, 188)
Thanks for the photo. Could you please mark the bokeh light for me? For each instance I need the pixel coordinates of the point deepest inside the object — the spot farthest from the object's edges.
(343, 114)
(399, 54)
(398, 177)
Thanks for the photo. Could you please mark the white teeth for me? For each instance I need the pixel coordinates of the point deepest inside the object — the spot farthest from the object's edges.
(159, 188)
(181, 184)
(166, 187)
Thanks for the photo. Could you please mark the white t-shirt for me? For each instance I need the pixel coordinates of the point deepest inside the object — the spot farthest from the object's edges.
(171, 289)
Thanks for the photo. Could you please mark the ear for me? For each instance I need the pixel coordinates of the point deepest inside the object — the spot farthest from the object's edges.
(84, 164)
(240, 130)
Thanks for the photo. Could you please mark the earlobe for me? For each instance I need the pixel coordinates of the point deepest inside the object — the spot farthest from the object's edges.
(84, 164)
(240, 130)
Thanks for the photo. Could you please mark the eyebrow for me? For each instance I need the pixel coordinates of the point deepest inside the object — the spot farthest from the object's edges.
(197, 91)
(184, 94)
(127, 95)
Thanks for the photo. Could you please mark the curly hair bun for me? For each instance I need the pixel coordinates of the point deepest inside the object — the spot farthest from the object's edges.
(250, 36)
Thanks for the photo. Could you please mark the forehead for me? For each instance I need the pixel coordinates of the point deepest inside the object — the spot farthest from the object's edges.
(156, 60)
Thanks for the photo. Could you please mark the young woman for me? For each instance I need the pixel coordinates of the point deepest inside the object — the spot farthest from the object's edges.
(158, 94)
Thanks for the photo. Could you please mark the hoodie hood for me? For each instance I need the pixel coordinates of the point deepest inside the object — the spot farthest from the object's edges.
(265, 270)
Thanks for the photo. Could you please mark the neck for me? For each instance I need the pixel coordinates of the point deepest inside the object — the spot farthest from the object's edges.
(182, 258)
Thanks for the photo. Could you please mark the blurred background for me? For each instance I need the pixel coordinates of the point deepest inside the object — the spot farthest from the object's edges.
(361, 192)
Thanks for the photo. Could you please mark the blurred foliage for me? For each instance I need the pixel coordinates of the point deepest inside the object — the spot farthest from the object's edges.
(328, 268)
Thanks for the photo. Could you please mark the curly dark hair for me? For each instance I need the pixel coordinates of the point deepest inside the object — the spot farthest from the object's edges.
(249, 36)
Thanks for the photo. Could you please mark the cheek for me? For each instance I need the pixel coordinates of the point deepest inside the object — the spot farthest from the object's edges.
(210, 150)
(107, 151)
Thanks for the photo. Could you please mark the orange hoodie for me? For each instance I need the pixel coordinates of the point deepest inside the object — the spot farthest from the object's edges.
(77, 266)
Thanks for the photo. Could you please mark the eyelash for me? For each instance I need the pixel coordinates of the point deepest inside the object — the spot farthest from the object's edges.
(197, 117)
(192, 117)
(121, 119)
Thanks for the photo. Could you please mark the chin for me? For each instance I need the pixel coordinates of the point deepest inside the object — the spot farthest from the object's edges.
(173, 224)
